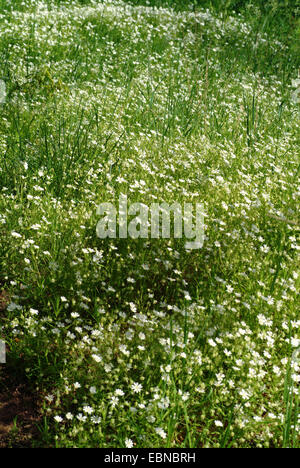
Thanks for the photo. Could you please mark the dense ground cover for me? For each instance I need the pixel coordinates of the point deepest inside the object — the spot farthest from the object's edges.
(140, 342)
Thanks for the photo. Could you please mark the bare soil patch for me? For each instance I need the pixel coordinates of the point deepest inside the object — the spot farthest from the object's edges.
(19, 414)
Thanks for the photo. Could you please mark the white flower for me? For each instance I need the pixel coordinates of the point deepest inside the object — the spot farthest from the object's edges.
(276, 370)
(96, 357)
(187, 296)
(212, 343)
(128, 443)
(2, 91)
(35, 227)
(58, 419)
(124, 350)
(296, 378)
(75, 315)
(13, 306)
(295, 342)
(264, 248)
(80, 417)
(218, 423)
(114, 401)
(244, 394)
(296, 93)
(160, 432)
(88, 409)
(96, 419)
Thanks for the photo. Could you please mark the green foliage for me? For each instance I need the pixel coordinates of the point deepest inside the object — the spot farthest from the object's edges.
(141, 342)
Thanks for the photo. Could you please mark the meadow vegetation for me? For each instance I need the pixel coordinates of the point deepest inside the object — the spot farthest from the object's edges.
(140, 343)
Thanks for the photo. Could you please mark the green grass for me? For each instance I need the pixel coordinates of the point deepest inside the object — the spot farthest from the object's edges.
(139, 341)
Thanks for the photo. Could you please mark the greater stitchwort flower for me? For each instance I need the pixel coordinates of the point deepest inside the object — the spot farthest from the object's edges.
(296, 92)
(175, 324)
(2, 91)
